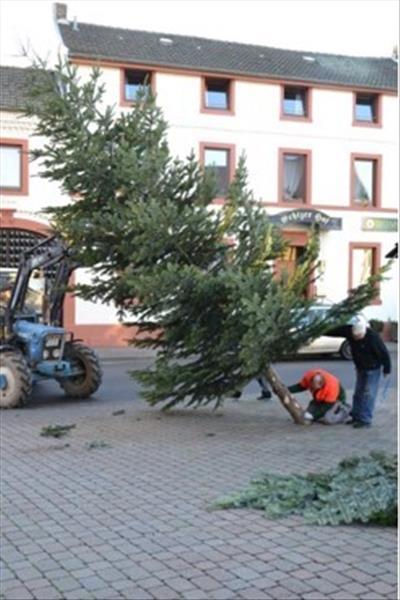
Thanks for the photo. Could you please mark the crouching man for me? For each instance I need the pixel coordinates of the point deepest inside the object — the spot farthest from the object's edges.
(328, 404)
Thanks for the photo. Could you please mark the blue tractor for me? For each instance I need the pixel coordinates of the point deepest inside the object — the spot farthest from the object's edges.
(33, 344)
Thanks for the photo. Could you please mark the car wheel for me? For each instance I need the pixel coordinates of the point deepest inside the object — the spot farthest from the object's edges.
(345, 351)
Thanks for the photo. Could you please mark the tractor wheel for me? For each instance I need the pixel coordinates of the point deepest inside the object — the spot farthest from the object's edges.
(84, 358)
(15, 380)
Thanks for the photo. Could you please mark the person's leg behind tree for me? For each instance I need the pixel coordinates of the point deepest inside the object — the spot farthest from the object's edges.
(265, 391)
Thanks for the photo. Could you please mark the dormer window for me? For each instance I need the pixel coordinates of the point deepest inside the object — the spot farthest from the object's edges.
(134, 83)
(217, 95)
(366, 109)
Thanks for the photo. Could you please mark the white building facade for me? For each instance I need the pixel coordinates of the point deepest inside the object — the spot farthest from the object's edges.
(320, 137)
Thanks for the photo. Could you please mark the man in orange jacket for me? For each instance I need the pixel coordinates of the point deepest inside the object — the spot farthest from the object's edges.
(327, 393)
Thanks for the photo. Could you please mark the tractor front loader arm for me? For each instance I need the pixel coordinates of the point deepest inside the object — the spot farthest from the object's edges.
(44, 255)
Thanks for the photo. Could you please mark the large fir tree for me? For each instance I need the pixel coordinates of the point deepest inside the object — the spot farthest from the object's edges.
(200, 281)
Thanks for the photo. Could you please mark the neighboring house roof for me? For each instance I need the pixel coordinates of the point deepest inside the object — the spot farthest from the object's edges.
(187, 52)
(14, 85)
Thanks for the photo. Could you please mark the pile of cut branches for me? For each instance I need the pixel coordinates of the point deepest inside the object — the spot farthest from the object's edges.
(358, 490)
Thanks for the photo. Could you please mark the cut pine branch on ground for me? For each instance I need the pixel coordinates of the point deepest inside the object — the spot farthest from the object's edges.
(358, 490)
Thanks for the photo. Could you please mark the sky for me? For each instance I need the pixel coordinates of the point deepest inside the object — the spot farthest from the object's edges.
(355, 27)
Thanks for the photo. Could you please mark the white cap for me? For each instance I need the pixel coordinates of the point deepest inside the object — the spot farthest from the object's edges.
(359, 328)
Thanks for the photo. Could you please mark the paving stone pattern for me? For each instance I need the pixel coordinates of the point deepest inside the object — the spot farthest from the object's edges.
(131, 520)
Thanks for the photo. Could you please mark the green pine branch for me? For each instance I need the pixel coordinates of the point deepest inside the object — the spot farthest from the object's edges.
(358, 490)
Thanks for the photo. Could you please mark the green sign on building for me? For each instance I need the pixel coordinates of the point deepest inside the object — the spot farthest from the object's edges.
(372, 224)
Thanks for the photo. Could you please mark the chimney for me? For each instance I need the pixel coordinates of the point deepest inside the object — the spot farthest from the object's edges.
(60, 11)
(395, 53)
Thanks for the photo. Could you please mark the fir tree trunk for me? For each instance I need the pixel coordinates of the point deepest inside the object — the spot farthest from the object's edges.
(288, 401)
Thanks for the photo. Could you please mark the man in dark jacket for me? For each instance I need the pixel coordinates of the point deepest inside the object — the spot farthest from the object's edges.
(370, 355)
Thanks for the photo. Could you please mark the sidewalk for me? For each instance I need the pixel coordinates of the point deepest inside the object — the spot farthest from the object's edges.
(119, 508)
(130, 352)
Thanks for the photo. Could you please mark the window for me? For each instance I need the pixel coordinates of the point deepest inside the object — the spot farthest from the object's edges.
(217, 94)
(366, 109)
(218, 160)
(135, 82)
(10, 167)
(14, 167)
(364, 262)
(365, 190)
(294, 178)
(296, 103)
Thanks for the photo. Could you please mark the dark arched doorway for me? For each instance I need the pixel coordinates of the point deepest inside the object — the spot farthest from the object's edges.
(13, 242)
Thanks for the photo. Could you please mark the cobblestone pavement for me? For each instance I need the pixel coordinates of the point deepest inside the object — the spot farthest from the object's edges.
(126, 516)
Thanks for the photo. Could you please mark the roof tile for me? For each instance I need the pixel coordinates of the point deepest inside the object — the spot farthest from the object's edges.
(232, 58)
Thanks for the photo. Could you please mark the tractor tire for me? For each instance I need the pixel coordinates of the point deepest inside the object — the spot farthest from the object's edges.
(82, 386)
(345, 350)
(18, 380)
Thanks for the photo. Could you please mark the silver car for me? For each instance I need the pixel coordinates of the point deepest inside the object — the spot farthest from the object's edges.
(326, 344)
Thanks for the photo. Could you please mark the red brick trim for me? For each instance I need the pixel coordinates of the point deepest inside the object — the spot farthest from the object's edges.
(375, 266)
(215, 111)
(232, 160)
(9, 221)
(23, 190)
(284, 117)
(377, 180)
(122, 99)
(378, 122)
(92, 62)
(308, 174)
